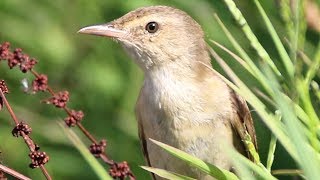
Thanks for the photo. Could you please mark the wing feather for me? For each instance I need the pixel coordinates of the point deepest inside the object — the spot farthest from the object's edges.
(244, 122)
(143, 140)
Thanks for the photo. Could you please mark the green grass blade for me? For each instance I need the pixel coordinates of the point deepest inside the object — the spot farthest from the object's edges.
(198, 163)
(270, 120)
(314, 67)
(272, 147)
(92, 161)
(237, 58)
(237, 46)
(279, 46)
(166, 174)
(250, 35)
(303, 89)
(307, 158)
(291, 172)
(253, 69)
(243, 163)
(316, 89)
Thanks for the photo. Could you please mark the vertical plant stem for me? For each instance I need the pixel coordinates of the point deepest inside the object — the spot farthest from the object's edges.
(250, 35)
(13, 116)
(45, 172)
(272, 147)
(279, 46)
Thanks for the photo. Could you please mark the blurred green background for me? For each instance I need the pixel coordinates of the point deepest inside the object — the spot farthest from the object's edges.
(102, 80)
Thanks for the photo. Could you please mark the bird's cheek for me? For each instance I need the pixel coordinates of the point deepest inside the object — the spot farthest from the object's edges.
(152, 39)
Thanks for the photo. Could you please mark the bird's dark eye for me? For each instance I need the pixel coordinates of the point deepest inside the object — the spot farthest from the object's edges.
(152, 27)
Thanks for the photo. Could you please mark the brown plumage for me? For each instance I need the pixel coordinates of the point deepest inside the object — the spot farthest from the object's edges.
(182, 102)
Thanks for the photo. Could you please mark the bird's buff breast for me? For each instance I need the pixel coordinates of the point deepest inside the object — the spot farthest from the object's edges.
(174, 113)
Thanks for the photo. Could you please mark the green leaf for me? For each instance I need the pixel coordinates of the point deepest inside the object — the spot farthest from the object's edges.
(166, 174)
(245, 165)
(307, 157)
(250, 35)
(272, 146)
(279, 46)
(196, 162)
(92, 161)
(269, 119)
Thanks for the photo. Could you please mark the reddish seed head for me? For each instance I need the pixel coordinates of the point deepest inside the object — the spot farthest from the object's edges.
(27, 65)
(74, 118)
(16, 58)
(21, 127)
(60, 99)
(4, 87)
(38, 158)
(4, 50)
(40, 83)
(120, 170)
(98, 149)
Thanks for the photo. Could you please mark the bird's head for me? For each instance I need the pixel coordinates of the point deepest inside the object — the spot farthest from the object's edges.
(156, 36)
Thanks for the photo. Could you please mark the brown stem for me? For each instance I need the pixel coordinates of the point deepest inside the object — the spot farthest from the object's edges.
(106, 159)
(31, 145)
(84, 130)
(29, 142)
(45, 172)
(13, 116)
(13, 173)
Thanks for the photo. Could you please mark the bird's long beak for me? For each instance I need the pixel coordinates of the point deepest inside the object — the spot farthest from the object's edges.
(103, 30)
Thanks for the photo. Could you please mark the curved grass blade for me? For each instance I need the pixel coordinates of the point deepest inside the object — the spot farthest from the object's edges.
(272, 146)
(250, 35)
(253, 69)
(92, 161)
(210, 169)
(166, 174)
(279, 46)
(243, 164)
(269, 119)
(308, 158)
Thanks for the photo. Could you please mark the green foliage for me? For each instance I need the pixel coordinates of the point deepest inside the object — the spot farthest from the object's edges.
(166, 174)
(297, 131)
(198, 163)
(92, 161)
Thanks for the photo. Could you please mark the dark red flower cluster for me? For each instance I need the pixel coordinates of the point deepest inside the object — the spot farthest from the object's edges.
(120, 170)
(98, 149)
(21, 127)
(5, 51)
(40, 83)
(74, 118)
(38, 158)
(17, 57)
(60, 99)
(4, 87)
(28, 64)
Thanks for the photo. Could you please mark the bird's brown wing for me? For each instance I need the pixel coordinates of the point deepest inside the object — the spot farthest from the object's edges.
(244, 122)
(143, 140)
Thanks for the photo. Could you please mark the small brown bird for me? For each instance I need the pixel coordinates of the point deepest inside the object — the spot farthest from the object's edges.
(182, 102)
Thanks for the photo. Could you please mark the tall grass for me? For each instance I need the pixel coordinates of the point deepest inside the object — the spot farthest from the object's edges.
(286, 101)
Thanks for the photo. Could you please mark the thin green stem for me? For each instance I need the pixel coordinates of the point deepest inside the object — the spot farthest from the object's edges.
(279, 46)
(250, 35)
(249, 66)
(272, 146)
(314, 67)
